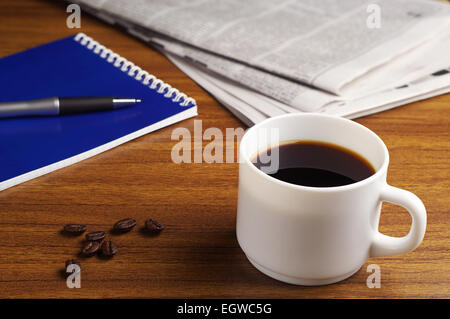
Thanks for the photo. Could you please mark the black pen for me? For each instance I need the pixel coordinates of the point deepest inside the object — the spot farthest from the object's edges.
(55, 106)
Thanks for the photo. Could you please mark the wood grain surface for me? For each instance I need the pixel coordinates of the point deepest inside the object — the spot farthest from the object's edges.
(197, 255)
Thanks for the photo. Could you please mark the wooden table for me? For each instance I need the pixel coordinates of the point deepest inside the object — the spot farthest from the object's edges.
(197, 255)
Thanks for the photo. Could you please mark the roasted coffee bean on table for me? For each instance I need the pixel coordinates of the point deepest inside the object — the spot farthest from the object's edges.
(94, 245)
(75, 229)
(124, 225)
(90, 248)
(109, 249)
(73, 262)
(96, 236)
(153, 226)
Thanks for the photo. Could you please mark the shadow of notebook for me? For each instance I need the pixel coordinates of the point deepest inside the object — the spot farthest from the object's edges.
(77, 66)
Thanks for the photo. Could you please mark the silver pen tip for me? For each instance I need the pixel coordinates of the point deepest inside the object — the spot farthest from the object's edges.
(118, 103)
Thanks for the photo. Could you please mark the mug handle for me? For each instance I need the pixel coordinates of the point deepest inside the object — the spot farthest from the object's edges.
(384, 245)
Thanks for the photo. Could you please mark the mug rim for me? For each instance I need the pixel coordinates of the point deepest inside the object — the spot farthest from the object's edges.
(358, 184)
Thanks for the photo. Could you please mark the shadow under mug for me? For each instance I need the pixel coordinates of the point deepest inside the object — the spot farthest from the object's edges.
(316, 236)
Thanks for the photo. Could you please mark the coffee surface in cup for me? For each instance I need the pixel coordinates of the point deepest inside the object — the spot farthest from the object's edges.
(316, 164)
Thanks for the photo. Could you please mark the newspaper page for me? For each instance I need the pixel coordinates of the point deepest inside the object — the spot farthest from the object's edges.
(421, 62)
(235, 103)
(421, 88)
(326, 44)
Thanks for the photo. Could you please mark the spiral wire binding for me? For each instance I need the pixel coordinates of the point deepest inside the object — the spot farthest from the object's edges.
(133, 70)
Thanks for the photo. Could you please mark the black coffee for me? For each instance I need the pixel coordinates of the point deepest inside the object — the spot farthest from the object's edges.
(316, 164)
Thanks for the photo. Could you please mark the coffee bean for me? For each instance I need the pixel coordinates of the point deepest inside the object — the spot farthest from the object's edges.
(153, 226)
(109, 249)
(90, 248)
(73, 262)
(95, 236)
(124, 225)
(75, 229)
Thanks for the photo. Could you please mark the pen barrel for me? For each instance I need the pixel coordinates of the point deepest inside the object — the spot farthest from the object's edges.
(73, 105)
(41, 107)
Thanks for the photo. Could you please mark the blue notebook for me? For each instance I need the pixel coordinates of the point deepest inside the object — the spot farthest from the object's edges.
(77, 66)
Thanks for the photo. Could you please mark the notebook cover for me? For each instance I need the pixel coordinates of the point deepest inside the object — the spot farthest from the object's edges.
(30, 147)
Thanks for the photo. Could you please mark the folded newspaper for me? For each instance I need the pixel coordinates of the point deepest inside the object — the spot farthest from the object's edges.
(262, 58)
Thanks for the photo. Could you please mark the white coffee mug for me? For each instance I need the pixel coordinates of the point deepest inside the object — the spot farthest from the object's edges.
(311, 235)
